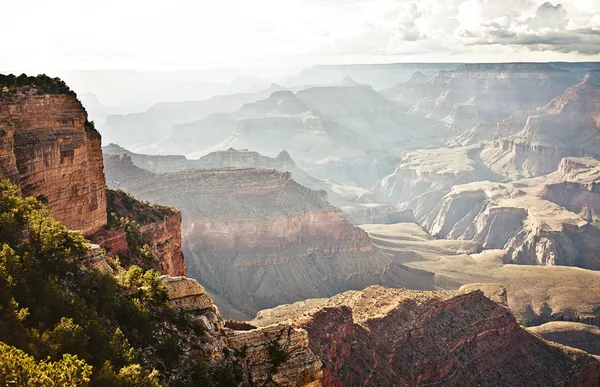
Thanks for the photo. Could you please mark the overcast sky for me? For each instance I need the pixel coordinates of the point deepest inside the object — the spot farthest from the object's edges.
(41, 35)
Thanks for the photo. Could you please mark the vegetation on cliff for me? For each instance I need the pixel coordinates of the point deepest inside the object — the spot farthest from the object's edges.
(62, 324)
(40, 84)
(125, 213)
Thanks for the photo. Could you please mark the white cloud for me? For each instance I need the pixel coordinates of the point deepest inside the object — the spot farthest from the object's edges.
(68, 34)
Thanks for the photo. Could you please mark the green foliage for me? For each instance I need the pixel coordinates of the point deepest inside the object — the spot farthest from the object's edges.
(128, 376)
(277, 354)
(122, 352)
(42, 84)
(59, 322)
(67, 337)
(19, 369)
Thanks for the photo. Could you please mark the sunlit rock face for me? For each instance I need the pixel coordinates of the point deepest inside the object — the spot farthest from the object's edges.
(49, 149)
(257, 238)
(567, 126)
(524, 219)
(381, 336)
(251, 348)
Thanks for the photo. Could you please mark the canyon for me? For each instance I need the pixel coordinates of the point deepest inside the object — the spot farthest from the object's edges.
(482, 244)
(246, 230)
(358, 204)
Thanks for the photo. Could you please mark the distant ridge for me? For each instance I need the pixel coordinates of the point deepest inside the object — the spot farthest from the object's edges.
(512, 67)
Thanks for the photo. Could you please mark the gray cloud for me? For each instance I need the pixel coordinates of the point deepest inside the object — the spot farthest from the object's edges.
(546, 31)
(549, 16)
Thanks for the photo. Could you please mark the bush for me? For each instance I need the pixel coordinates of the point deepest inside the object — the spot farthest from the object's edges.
(42, 84)
(19, 369)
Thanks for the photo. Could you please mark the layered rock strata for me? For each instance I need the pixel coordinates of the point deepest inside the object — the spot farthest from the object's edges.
(158, 226)
(382, 336)
(426, 175)
(258, 238)
(532, 230)
(48, 147)
(567, 126)
(276, 354)
(359, 204)
(473, 94)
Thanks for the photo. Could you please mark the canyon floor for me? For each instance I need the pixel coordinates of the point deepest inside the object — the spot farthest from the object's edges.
(536, 294)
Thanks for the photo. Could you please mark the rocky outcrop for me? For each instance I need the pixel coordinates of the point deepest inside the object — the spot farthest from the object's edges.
(49, 148)
(532, 230)
(574, 186)
(276, 354)
(494, 292)
(157, 226)
(381, 336)
(567, 126)
(426, 175)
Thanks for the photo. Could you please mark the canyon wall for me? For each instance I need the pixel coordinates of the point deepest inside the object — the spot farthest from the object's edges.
(566, 126)
(257, 238)
(157, 226)
(50, 149)
(381, 336)
(276, 354)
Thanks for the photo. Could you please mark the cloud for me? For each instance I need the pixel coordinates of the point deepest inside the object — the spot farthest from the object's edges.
(546, 31)
(549, 16)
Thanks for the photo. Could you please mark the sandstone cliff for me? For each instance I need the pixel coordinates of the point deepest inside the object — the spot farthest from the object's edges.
(532, 230)
(381, 336)
(49, 148)
(133, 223)
(358, 204)
(278, 354)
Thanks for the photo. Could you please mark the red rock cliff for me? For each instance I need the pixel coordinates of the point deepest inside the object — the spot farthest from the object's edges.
(397, 337)
(159, 227)
(49, 149)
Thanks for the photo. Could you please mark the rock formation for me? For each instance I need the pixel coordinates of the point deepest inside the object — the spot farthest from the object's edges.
(424, 176)
(158, 226)
(381, 336)
(258, 238)
(567, 126)
(276, 354)
(153, 124)
(48, 147)
(50, 150)
(359, 204)
(535, 294)
(475, 94)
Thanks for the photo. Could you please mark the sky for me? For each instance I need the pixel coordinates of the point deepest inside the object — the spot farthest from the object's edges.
(41, 35)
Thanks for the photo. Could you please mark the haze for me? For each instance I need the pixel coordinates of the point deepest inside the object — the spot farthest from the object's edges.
(234, 34)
